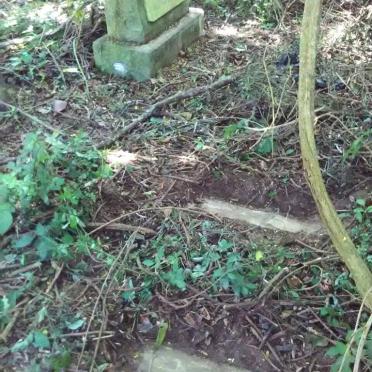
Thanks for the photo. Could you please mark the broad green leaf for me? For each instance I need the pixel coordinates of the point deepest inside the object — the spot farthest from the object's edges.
(24, 240)
(26, 57)
(148, 262)
(22, 344)
(61, 362)
(229, 131)
(266, 146)
(129, 295)
(358, 214)
(345, 362)
(41, 314)
(3, 194)
(319, 341)
(41, 341)
(6, 217)
(43, 248)
(41, 230)
(176, 278)
(224, 245)
(76, 324)
(338, 349)
(259, 255)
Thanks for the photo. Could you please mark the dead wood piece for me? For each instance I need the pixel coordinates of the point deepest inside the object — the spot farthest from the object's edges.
(122, 227)
(179, 96)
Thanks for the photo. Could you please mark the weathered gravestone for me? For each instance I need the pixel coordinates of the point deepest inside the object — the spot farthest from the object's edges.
(145, 35)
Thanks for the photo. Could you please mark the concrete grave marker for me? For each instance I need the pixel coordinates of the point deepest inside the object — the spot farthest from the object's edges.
(145, 35)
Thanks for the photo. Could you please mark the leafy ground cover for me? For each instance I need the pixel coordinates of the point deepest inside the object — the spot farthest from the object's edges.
(79, 293)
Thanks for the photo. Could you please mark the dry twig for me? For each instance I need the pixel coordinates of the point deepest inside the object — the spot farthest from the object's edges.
(179, 96)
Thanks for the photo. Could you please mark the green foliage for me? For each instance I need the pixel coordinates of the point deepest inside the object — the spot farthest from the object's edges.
(231, 130)
(268, 12)
(47, 194)
(58, 176)
(345, 353)
(361, 232)
(266, 146)
(215, 266)
(357, 145)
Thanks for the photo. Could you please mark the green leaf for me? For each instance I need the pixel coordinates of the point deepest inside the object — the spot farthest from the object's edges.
(369, 348)
(345, 362)
(23, 344)
(319, 341)
(360, 202)
(41, 341)
(41, 314)
(176, 278)
(6, 217)
(259, 255)
(26, 57)
(24, 240)
(3, 194)
(338, 349)
(41, 230)
(266, 146)
(61, 362)
(229, 131)
(148, 262)
(358, 214)
(224, 245)
(162, 332)
(78, 323)
(43, 248)
(129, 295)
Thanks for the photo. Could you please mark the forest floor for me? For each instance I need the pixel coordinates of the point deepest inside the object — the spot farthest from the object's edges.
(256, 298)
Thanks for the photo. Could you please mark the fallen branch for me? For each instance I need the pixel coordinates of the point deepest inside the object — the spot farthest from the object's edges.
(337, 232)
(29, 116)
(189, 93)
(121, 227)
(5, 333)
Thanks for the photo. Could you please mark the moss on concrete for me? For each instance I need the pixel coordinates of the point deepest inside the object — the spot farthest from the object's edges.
(127, 20)
(141, 62)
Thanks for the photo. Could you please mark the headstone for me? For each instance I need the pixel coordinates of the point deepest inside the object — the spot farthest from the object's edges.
(145, 35)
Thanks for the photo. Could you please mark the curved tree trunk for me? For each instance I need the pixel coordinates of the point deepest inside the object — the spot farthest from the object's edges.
(337, 232)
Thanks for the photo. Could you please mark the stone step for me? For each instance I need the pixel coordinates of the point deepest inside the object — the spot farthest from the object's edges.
(170, 360)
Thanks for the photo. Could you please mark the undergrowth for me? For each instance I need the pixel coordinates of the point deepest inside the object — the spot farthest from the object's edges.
(45, 198)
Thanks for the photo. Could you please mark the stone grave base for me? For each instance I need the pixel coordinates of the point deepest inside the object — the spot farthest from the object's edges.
(141, 62)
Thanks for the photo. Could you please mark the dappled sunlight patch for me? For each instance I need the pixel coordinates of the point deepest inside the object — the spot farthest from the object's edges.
(119, 158)
(336, 33)
(47, 12)
(188, 159)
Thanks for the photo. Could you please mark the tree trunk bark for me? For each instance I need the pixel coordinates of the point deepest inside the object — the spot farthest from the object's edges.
(337, 232)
